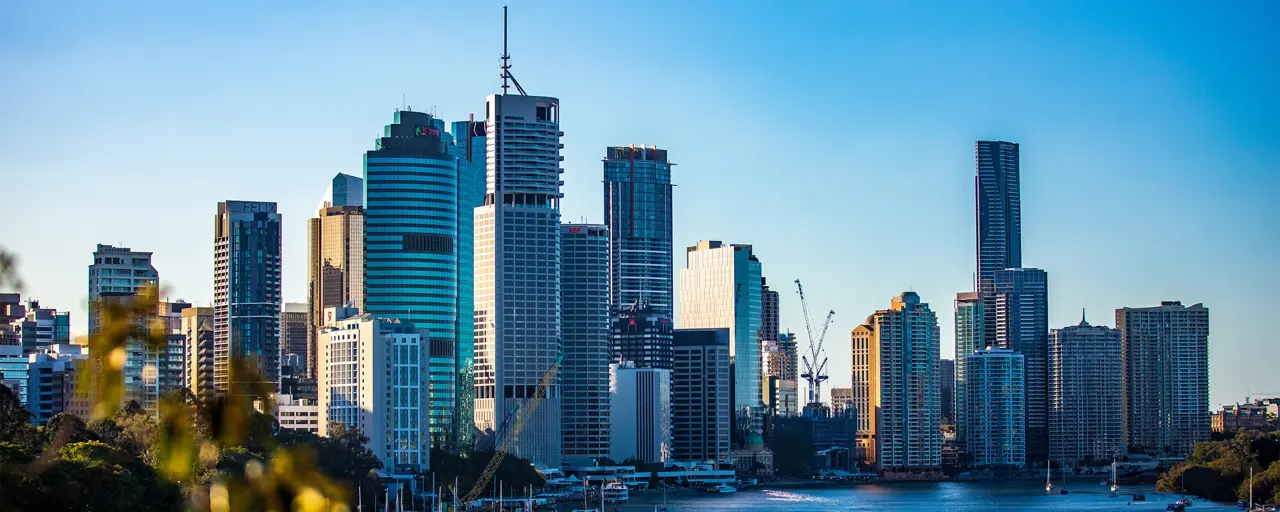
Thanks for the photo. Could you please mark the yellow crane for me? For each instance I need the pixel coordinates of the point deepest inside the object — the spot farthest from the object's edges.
(512, 432)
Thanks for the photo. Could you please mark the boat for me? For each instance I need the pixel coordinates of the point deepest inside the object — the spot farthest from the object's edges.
(1048, 484)
(1184, 502)
(616, 492)
(1064, 480)
(722, 488)
(1114, 482)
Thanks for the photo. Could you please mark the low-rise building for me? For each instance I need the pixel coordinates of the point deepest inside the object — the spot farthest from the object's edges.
(841, 399)
(48, 373)
(1251, 416)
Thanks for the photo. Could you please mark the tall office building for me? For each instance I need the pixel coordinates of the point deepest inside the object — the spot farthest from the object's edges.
(517, 282)
(999, 221)
(841, 401)
(997, 422)
(246, 289)
(637, 211)
(639, 413)
(700, 395)
(197, 330)
(120, 271)
(1085, 414)
(781, 357)
(947, 387)
(335, 258)
(1022, 325)
(411, 230)
(641, 335)
(769, 314)
(584, 377)
(779, 361)
(895, 380)
(469, 148)
(370, 379)
(294, 325)
(720, 288)
(969, 337)
(1165, 354)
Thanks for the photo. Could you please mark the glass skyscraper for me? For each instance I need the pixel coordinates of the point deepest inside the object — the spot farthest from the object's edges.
(637, 211)
(999, 220)
(246, 289)
(411, 261)
(469, 148)
(720, 287)
(517, 274)
(968, 338)
(335, 246)
(584, 379)
(1022, 325)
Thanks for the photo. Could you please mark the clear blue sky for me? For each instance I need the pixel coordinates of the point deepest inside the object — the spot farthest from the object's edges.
(836, 138)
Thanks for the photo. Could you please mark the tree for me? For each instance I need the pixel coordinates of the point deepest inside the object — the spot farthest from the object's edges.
(15, 420)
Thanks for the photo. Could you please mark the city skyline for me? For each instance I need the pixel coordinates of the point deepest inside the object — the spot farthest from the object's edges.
(1094, 279)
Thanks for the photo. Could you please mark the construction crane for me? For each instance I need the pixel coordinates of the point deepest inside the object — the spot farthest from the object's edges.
(511, 432)
(813, 370)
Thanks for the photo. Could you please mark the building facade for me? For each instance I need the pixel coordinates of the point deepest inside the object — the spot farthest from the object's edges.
(48, 374)
(639, 413)
(40, 328)
(517, 265)
(246, 290)
(294, 325)
(1164, 351)
(1253, 416)
(335, 258)
(411, 229)
(298, 413)
(947, 386)
(999, 220)
(118, 271)
(637, 211)
(371, 378)
(469, 148)
(841, 400)
(1022, 325)
(701, 385)
(720, 288)
(781, 397)
(997, 405)
(770, 318)
(896, 351)
(197, 332)
(584, 377)
(969, 332)
(1085, 412)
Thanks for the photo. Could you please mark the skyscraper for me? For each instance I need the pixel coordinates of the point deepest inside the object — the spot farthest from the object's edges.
(370, 379)
(246, 289)
(584, 378)
(720, 287)
(1165, 354)
(947, 383)
(700, 395)
(769, 314)
(997, 426)
(639, 413)
(517, 282)
(120, 271)
(293, 329)
(969, 337)
(780, 363)
(335, 255)
(1022, 325)
(999, 220)
(411, 209)
(1086, 418)
(197, 330)
(895, 379)
(469, 147)
(637, 211)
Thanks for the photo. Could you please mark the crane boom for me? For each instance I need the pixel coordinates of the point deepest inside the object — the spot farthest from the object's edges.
(513, 431)
(813, 369)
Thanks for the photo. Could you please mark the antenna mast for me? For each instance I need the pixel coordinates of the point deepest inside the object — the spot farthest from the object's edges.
(506, 59)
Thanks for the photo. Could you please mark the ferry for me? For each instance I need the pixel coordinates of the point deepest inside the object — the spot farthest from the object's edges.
(616, 492)
(722, 488)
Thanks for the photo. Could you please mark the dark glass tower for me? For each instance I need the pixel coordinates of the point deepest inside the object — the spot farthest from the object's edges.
(246, 289)
(637, 199)
(999, 220)
(411, 263)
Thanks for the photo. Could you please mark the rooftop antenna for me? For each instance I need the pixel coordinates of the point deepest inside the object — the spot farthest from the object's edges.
(506, 59)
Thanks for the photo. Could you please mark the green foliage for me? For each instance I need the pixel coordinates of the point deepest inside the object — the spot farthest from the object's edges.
(514, 473)
(1219, 470)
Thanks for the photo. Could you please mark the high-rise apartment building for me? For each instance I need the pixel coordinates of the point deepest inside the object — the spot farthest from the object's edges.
(781, 357)
(411, 230)
(197, 331)
(997, 405)
(246, 289)
(1022, 325)
(51, 372)
(517, 266)
(335, 258)
(1165, 354)
(584, 377)
(469, 147)
(1085, 387)
(371, 378)
(294, 325)
(947, 386)
(895, 380)
(637, 211)
(720, 288)
(639, 413)
(117, 271)
(701, 386)
(769, 314)
(969, 337)
(999, 221)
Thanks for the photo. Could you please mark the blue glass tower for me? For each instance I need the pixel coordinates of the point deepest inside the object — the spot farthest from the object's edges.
(637, 199)
(411, 228)
(469, 148)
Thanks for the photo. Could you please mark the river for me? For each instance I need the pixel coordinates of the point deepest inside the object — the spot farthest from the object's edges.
(911, 497)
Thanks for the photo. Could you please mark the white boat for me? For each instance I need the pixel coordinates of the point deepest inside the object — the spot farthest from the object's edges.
(1114, 483)
(722, 488)
(616, 492)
